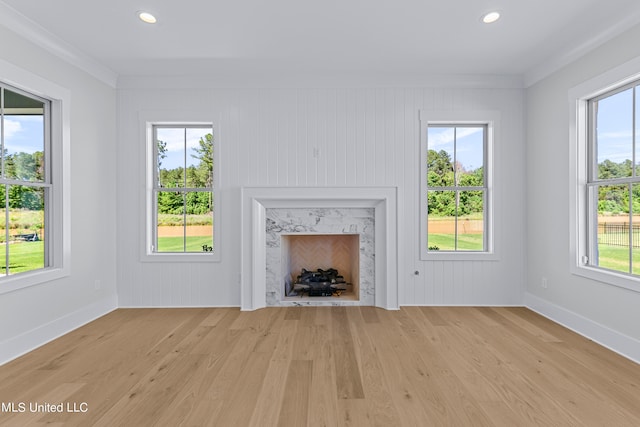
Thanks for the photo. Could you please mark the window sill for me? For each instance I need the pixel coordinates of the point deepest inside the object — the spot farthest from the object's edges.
(25, 280)
(181, 258)
(459, 256)
(608, 277)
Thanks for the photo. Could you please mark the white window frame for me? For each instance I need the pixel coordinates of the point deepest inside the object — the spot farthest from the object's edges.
(59, 211)
(579, 249)
(177, 118)
(490, 119)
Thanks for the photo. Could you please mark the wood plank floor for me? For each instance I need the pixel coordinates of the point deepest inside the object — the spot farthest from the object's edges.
(321, 366)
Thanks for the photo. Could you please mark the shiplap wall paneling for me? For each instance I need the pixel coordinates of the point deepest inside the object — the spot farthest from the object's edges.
(319, 137)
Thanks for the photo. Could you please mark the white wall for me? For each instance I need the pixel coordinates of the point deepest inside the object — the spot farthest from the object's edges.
(365, 137)
(606, 313)
(34, 315)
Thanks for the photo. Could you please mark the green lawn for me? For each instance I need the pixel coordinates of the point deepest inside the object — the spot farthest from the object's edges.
(27, 256)
(175, 244)
(617, 258)
(23, 256)
(466, 242)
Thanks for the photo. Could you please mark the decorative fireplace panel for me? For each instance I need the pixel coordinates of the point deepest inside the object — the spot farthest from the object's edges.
(321, 221)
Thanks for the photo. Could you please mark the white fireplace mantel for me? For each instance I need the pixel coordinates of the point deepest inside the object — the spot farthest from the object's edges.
(255, 200)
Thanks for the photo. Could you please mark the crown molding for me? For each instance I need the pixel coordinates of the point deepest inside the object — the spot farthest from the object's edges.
(553, 64)
(253, 80)
(53, 44)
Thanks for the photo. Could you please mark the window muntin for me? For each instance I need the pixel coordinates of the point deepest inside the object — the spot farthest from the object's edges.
(456, 187)
(183, 201)
(613, 181)
(25, 182)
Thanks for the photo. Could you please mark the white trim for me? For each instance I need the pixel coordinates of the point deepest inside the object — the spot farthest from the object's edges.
(53, 44)
(624, 345)
(461, 305)
(578, 147)
(618, 76)
(490, 118)
(127, 307)
(249, 78)
(60, 252)
(17, 346)
(255, 200)
(178, 117)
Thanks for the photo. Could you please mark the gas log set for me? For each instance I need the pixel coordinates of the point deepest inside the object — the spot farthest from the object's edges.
(320, 283)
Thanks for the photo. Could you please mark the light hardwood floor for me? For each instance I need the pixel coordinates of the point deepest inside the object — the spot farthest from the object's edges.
(329, 366)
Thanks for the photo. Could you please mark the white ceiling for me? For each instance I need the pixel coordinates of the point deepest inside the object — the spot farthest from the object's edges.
(383, 38)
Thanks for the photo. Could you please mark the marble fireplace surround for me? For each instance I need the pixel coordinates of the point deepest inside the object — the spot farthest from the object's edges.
(256, 200)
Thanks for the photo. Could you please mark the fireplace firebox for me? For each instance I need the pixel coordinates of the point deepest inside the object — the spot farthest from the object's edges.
(320, 265)
(319, 283)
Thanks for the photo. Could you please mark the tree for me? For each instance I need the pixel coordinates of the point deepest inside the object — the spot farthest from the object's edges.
(608, 169)
(204, 153)
(203, 174)
(162, 152)
(170, 202)
(614, 199)
(25, 167)
(195, 176)
(440, 168)
(28, 167)
(441, 172)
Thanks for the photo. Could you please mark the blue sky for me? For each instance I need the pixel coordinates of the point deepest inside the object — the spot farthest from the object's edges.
(469, 144)
(615, 127)
(23, 134)
(175, 139)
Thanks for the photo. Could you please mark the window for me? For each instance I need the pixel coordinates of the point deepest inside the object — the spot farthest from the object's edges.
(456, 187)
(25, 182)
(182, 196)
(613, 180)
(604, 128)
(35, 237)
(456, 191)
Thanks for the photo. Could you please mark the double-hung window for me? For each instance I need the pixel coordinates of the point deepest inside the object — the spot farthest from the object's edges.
(182, 197)
(456, 176)
(25, 181)
(35, 238)
(613, 180)
(456, 190)
(604, 189)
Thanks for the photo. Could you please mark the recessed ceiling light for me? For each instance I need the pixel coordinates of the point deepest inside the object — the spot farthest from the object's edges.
(147, 17)
(490, 17)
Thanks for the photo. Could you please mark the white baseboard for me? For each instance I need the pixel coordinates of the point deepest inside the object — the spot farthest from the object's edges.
(176, 306)
(460, 305)
(30, 340)
(615, 341)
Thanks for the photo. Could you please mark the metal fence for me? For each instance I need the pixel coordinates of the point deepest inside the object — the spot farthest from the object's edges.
(617, 234)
